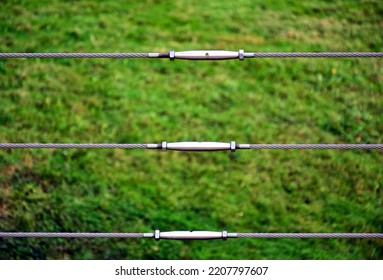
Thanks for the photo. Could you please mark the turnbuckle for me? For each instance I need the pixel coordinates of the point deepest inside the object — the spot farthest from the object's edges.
(190, 235)
(195, 146)
(209, 55)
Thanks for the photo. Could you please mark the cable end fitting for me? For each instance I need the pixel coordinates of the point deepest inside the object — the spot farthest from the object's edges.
(224, 235)
(241, 54)
(172, 55)
(232, 146)
(148, 235)
(157, 235)
(164, 146)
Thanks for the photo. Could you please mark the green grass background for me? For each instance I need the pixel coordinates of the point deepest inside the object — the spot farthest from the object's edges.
(149, 101)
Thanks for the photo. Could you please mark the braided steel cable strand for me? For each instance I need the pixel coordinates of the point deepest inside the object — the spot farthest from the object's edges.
(318, 55)
(309, 235)
(142, 235)
(317, 146)
(164, 55)
(68, 235)
(70, 146)
(157, 146)
(74, 55)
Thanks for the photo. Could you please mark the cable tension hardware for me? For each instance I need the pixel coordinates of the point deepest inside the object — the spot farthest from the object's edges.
(186, 235)
(193, 146)
(199, 55)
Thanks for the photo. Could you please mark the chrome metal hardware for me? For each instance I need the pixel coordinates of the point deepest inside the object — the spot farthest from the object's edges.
(198, 146)
(190, 235)
(171, 55)
(208, 55)
(241, 54)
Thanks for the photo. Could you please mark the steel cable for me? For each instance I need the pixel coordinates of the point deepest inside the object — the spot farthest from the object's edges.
(309, 235)
(316, 146)
(318, 55)
(165, 55)
(148, 235)
(70, 146)
(68, 235)
(145, 146)
(158, 146)
(74, 55)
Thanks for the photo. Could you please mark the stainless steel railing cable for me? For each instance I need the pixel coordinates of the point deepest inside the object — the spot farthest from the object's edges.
(188, 235)
(310, 235)
(316, 146)
(200, 55)
(68, 235)
(194, 146)
(187, 146)
(74, 55)
(318, 55)
(191, 146)
(70, 146)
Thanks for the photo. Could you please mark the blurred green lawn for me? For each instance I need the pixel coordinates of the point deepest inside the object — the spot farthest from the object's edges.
(149, 101)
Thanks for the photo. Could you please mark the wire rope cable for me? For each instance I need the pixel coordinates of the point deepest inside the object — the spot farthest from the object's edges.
(310, 235)
(192, 146)
(70, 146)
(74, 55)
(180, 237)
(316, 146)
(185, 148)
(68, 235)
(317, 54)
(172, 55)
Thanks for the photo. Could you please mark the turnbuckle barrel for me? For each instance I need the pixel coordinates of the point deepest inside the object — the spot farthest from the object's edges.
(190, 235)
(198, 146)
(208, 55)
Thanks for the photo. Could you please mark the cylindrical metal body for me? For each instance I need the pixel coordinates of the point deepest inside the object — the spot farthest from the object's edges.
(198, 146)
(206, 55)
(191, 235)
